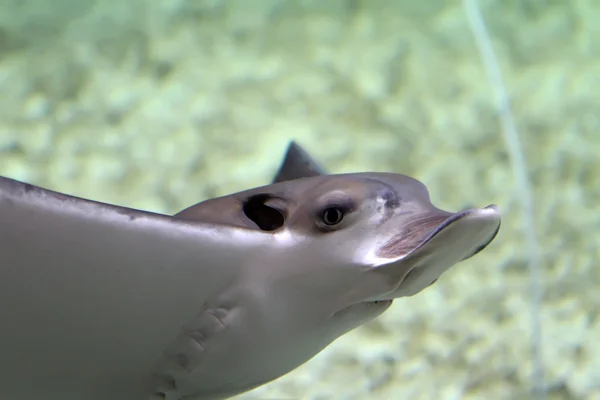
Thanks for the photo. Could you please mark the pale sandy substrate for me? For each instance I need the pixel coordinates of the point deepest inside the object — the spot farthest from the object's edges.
(167, 107)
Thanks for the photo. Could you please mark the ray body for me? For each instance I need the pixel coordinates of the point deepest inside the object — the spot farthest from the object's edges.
(104, 302)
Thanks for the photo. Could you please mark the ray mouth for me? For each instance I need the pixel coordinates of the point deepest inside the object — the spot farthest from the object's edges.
(419, 232)
(430, 244)
(491, 211)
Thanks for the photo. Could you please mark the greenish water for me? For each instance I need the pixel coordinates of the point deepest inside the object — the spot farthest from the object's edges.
(161, 104)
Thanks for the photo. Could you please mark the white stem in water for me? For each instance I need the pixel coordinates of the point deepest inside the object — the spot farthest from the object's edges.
(511, 137)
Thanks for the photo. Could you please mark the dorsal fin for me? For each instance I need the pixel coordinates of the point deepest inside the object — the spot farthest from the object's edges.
(296, 164)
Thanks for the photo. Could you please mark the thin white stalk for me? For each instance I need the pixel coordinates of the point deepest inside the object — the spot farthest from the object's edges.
(519, 166)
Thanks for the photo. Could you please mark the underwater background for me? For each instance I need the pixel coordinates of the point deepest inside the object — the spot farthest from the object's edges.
(159, 104)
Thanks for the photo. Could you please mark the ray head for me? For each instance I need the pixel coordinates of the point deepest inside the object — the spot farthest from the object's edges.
(351, 239)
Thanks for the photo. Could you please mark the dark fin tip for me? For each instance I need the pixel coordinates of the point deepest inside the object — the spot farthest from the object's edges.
(297, 163)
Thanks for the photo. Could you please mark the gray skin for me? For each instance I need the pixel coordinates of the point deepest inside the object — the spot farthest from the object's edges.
(101, 302)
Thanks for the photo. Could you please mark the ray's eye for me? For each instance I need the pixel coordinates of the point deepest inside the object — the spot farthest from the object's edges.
(332, 216)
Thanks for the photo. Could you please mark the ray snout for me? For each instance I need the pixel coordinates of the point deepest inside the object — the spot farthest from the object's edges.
(431, 243)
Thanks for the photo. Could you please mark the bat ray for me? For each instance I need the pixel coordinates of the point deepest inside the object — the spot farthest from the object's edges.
(101, 302)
